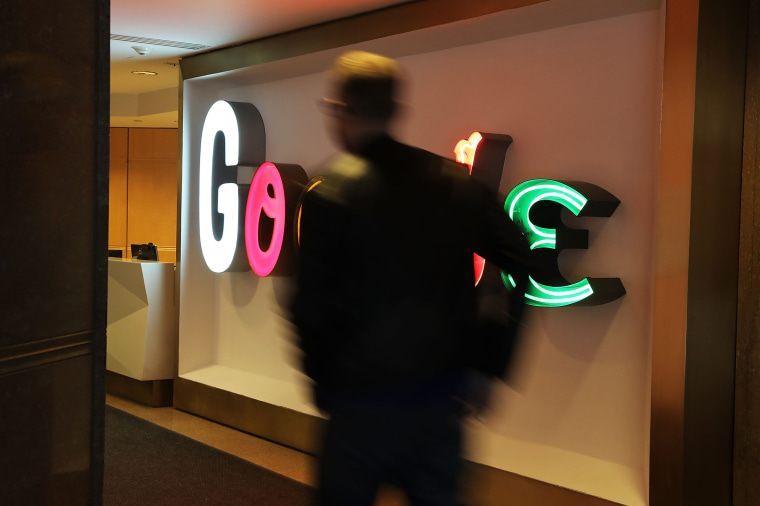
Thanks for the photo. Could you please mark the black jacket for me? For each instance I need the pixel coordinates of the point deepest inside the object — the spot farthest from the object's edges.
(385, 293)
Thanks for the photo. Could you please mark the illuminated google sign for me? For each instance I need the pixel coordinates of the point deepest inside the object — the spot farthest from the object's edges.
(268, 243)
(264, 216)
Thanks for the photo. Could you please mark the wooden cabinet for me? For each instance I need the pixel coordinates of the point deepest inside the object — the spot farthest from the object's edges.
(143, 190)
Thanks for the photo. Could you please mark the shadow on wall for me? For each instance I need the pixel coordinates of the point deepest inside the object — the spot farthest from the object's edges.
(243, 286)
(566, 342)
(578, 332)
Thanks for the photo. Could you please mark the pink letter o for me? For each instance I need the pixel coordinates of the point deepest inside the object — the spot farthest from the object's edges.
(263, 261)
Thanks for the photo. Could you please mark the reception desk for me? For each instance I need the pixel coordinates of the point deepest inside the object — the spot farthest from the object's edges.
(142, 330)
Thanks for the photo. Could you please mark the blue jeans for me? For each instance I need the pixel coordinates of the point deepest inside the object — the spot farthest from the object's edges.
(417, 448)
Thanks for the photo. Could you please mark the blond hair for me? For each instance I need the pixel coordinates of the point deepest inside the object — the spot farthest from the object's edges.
(368, 83)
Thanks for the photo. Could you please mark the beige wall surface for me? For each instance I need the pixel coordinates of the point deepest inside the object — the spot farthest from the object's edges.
(582, 103)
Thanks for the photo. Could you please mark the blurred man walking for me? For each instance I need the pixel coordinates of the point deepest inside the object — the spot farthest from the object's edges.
(385, 306)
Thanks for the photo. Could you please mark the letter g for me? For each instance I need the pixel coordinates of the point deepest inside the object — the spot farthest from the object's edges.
(235, 121)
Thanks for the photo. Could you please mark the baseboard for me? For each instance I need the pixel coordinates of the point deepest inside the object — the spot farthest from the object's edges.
(489, 486)
(282, 425)
(484, 485)
(154, 393)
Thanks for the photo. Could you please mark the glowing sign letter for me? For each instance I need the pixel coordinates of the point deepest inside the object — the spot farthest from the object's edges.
(273, 195)
(259, 200)
(491, 150)
(234, 121)
(465, 149)
(313, 182)
(535, 206)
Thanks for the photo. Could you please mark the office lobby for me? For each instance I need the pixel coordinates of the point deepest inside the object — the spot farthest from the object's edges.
(637, 380)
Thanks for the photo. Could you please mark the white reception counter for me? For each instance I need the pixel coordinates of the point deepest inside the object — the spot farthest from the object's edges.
(142, 328)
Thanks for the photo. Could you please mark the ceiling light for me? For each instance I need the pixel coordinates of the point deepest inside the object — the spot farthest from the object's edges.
(144, 73)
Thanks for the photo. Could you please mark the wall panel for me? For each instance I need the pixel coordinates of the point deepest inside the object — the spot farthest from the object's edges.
(152, 202)
(117, 195)
(50, 434)
(53, 273)
(118, 143)
(143, 189)
(153, 143)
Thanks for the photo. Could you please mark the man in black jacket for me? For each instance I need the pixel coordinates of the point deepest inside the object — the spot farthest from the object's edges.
(385, 306)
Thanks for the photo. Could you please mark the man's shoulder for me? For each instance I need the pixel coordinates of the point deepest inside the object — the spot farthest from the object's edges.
(341, 175)
(446, 169)
(435, 163)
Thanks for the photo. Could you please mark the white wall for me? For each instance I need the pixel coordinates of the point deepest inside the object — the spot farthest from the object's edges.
(582, 103)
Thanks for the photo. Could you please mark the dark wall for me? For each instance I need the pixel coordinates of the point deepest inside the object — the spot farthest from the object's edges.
(714, 253)
(53, 242)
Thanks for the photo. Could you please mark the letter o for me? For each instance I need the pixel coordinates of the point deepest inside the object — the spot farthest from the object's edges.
(264, 261)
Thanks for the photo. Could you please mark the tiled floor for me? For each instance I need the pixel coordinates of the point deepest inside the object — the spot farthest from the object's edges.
(284, 461)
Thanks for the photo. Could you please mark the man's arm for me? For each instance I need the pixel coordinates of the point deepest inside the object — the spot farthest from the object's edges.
(500, 242)
(318, 307)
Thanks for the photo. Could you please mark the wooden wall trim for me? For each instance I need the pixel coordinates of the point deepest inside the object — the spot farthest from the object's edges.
(746, 486)
(696, 259)
(672, 253)
(714, 253)
(402, 18)
(46, 351)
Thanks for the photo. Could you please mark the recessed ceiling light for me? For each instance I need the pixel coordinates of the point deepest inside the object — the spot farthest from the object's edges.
(144, 73)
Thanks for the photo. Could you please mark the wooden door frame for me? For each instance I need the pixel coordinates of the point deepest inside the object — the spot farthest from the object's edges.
(747, 406)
